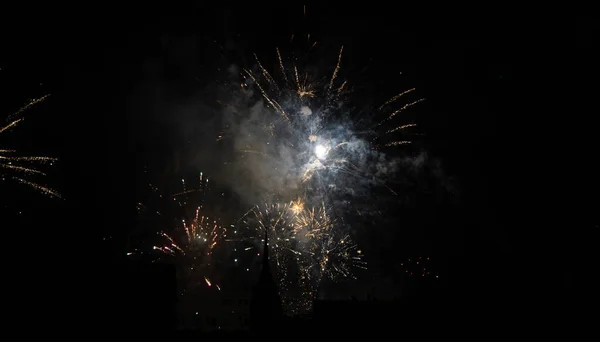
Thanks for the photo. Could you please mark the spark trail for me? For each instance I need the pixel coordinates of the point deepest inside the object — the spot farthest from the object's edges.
(22, 169)
(192, 248)
(312, 153)
(306, 249)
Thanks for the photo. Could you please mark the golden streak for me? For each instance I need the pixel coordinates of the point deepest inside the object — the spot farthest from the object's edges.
(281, 64)
(337, 69)
(400, 128)
(303, 89)
(41, 188)
(22, 169)
(6, 162)
(265, 73)
(404, 107)
(398, 143)
(297, 77)
(273, 104)
(395, 98)
(29, 105)
(10, 125)
(339, 90)
(31, 159)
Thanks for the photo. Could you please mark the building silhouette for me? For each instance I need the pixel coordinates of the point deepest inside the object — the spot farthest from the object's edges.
(265, 306)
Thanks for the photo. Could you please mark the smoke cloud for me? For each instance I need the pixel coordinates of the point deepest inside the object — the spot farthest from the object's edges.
(226, 129)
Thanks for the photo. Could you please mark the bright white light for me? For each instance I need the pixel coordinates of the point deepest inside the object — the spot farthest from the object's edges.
(321, 151)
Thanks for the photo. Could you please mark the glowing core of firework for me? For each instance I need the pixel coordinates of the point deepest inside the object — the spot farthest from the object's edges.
(321, 152)
(297, 207)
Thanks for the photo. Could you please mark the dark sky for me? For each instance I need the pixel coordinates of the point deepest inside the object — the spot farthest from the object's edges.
(477, 74)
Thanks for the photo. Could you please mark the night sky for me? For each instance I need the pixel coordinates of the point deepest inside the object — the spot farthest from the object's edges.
(118, 77)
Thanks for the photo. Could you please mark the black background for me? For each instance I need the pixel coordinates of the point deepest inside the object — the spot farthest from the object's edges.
(495, 84)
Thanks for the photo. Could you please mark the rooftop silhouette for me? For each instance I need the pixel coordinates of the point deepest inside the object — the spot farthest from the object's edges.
(265, 306)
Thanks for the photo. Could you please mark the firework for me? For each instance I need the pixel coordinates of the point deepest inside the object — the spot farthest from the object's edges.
(192, 247)
(310, 148)
(20, 168)
(313, 146)
(276, 220)
(419, 267)
(334, 256)
(306, 138)
(306, 248)
(313, 132)
(181, 229)
(328, 250)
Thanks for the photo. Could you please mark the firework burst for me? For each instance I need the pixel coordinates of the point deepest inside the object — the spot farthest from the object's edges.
(328, 250)
(276, 221)
(306, 248)
(312, 132)
(308, 143)
(22, 168)
(192, 247)
(179, 228)
(334, 256)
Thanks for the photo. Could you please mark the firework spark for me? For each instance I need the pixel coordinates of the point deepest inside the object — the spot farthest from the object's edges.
(327, 247)
(312, 138)
(198, 246)
(420, 267)
(312, 146)
(306, 249)
(336, 256)
(15, 167)
(192, 247)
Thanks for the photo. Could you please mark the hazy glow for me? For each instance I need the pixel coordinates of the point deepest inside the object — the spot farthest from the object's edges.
(321, 152)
